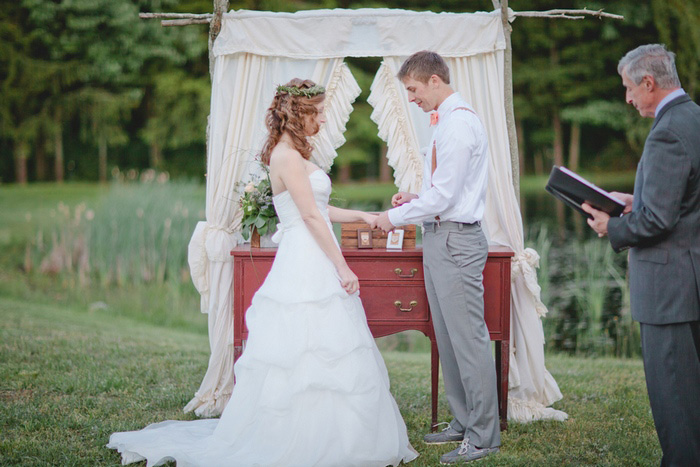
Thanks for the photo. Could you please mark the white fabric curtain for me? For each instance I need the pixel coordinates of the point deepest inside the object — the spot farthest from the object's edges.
(255, 51)
(358, 33)
(242, 90)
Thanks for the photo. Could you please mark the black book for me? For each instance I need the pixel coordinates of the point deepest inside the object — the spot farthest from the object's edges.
(575, 190)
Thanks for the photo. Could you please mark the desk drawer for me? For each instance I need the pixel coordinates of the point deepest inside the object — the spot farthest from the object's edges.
(398, 269)
(380, 302)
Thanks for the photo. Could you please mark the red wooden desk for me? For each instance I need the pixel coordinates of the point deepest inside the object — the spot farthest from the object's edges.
(394, 298)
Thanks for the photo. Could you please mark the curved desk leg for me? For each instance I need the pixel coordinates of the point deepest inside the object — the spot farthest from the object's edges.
(434, 374)
(502, 368)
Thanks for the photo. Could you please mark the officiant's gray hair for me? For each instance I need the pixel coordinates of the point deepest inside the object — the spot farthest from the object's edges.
(650, 60)
(422, 65)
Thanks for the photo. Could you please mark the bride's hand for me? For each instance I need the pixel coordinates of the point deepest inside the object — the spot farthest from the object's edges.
(368, 218)
(348, 280)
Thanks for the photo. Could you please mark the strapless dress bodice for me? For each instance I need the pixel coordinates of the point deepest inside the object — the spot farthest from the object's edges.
(288, 212)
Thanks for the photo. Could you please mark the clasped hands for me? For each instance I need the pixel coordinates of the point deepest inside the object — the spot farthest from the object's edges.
(348, 279)
(382, 220)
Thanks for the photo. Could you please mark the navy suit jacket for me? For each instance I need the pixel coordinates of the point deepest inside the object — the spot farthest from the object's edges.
(663, 229)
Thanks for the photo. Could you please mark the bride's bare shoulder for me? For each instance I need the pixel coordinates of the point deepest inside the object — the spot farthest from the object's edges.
(284, 156)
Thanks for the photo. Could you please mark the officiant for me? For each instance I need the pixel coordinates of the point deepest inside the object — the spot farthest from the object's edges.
(661, 227)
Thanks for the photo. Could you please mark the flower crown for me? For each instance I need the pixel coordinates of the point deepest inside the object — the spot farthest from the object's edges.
(306, 92)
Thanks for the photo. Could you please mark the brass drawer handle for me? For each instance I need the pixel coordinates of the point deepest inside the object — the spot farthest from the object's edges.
(398, 272)
(412, 304)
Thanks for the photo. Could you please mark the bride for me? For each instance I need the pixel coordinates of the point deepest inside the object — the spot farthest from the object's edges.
(311, 387)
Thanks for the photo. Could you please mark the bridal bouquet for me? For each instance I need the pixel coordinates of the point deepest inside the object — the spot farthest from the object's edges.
(258, 211)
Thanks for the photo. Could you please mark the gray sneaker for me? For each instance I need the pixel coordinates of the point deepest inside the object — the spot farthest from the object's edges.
(466, 452)
(448, 435)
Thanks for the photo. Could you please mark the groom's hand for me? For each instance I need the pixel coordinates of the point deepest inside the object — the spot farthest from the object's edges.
(402, 197)
(382, 222)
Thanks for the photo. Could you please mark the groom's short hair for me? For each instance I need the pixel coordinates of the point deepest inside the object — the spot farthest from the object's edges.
(422, 65)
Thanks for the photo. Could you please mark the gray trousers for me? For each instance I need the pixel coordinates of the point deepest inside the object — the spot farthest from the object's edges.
(672, 367)
(454, 256)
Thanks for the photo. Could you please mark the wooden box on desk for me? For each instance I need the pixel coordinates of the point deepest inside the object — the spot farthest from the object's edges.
(348, 235)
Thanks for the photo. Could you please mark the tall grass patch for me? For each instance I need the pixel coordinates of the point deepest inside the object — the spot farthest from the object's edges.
(138, 233)
(125, 252)
(584, 286)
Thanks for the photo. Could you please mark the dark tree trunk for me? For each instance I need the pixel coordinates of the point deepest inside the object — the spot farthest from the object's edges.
(538, 162)
(575, 147)
(385, 171)
(21, 153)
(58, 148)
(102, 159)
(344, 173)
(156, 156)
(558, 144)
(58, 157)
(40, 154)
(520, 131)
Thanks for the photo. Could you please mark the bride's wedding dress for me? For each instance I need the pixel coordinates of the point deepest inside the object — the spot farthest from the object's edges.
(311, 387)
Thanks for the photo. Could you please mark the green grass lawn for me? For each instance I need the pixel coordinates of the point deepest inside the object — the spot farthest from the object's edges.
(69, 378)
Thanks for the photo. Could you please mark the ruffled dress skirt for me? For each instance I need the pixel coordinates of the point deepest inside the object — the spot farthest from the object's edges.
(311, 387)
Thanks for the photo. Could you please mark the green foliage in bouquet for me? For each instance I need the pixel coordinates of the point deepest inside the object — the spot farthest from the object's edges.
(258, 210)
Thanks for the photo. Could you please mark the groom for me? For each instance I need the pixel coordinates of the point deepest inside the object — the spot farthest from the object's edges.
(450, 207)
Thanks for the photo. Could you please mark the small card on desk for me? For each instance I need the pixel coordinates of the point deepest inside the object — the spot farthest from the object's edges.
(351, 236)
(394, 239)
(575, 190)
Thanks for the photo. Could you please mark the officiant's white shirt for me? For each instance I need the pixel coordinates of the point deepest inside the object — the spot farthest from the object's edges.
(457, 190)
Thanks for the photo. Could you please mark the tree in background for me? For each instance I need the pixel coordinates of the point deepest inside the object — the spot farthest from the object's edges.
(362, 147)
(91, 59)
(173, 112)
(90, 73)
(566, 84)
(177, 114)
(21, 78)
(678, 23)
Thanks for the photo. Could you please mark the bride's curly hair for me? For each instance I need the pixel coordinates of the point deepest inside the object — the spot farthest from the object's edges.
(292, 114)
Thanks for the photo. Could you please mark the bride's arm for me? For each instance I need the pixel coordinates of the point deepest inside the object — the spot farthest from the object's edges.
(289, 167)
(349, 215)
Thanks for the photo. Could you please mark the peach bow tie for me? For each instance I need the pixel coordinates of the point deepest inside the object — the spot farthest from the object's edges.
(433, 118)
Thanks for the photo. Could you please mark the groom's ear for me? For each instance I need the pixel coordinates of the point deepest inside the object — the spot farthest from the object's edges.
(434, 81)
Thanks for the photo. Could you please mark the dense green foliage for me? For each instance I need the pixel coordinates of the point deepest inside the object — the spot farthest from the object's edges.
(86, 86)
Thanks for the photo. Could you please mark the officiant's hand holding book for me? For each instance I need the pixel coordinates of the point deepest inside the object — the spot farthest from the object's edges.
(626, 198)
(575, 190)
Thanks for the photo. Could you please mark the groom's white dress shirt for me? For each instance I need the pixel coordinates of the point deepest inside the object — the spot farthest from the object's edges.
(456, 191)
